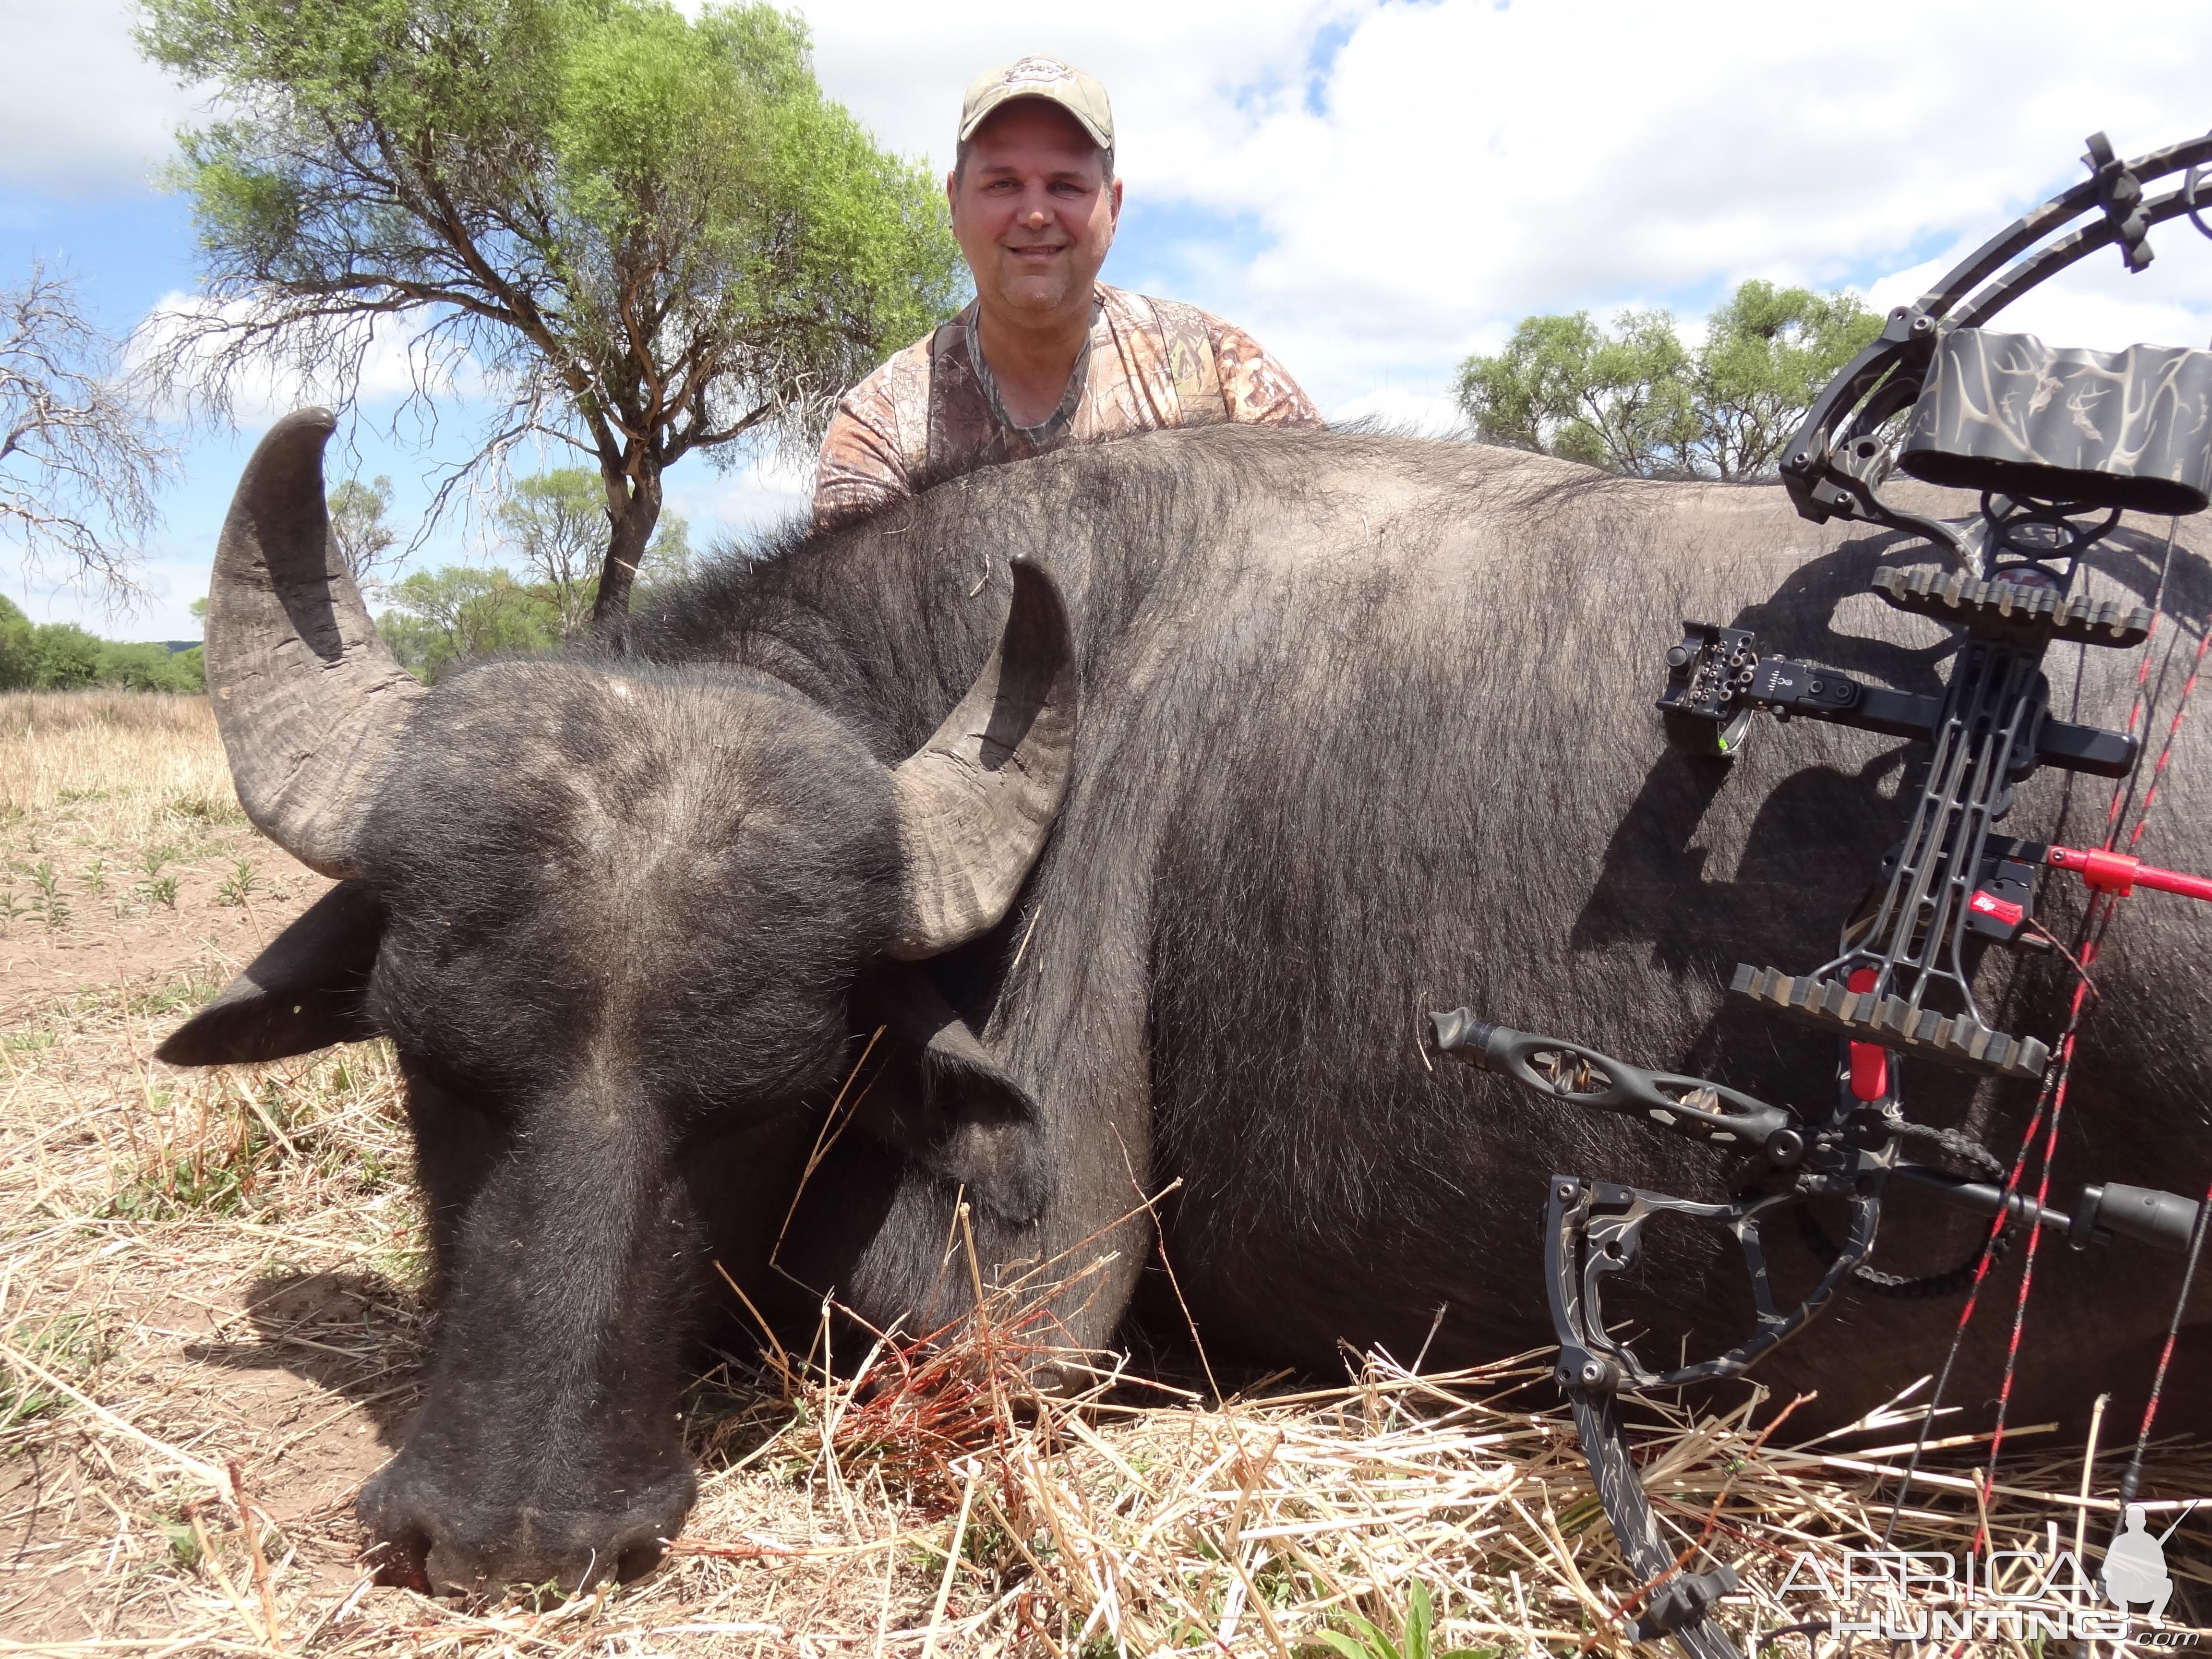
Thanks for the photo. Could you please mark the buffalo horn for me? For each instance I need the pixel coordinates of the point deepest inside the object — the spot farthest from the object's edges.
(306, 695)
(977, 801)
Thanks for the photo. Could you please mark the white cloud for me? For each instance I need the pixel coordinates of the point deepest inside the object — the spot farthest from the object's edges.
(396, 357)
(1172, 69)
(1376, 189)
(1466, 163)
(747, 500)
(1393, 409)
(1478, 164)
(80, 111)
(2099, 303)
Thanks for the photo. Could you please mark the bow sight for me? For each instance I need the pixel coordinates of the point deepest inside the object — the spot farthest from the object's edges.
(2059, 443)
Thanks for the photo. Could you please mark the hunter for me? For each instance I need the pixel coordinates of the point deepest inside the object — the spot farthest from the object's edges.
(1045, 354)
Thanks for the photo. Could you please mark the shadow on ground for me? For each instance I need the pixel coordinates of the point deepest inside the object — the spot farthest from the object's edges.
(359, 1335)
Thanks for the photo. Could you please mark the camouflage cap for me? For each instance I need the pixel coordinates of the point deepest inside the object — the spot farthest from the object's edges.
(1075, 92)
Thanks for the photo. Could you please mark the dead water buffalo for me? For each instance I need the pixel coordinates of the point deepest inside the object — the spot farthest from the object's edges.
(1148, 794)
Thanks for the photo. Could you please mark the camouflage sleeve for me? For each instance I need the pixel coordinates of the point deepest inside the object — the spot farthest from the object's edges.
(1258, 389)
(878, 439)
(861, 467)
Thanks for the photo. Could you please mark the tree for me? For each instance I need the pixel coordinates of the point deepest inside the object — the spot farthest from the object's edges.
(149, 667)
(357, 526)
(44, 656)
(652, 236)
(1768, 352)
(668, 556)
(1637, 400)
(463, 611)
(558, 523)
(80, 462)
(63, 657)
(1566, 387)
(17, 669)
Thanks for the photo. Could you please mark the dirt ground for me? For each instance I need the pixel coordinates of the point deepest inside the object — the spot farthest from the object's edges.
(211, 1325)
(208, 1295)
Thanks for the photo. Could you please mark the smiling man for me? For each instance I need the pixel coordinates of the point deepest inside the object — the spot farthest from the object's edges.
(1045, 354)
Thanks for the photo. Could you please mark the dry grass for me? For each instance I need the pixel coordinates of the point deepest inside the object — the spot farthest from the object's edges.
(209, 1330)
(130, 765)
(124, 857)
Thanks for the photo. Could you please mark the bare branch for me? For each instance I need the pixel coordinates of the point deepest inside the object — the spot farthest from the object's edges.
(637, 295)
(80, 462)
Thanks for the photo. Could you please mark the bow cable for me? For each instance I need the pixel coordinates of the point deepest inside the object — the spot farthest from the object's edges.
(2107, 874)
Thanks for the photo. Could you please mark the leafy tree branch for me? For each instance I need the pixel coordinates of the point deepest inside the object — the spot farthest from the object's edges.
(645, 235)
(1637, 399)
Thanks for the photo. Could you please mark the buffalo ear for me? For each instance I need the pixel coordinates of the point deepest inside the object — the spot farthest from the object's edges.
(950, 1106)
(302, 993)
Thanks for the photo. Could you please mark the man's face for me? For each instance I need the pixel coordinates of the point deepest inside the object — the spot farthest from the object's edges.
(1033, 210)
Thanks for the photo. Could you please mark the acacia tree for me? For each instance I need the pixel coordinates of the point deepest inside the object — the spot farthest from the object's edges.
(1767, 354)
(444, 616)
(551, 521)
(80, 462)
(1566, 386)
(358, 529)
(649, 234)
(1636, 399)
(554, 524)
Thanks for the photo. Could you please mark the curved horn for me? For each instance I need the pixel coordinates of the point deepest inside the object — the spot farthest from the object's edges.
(977, 801)
(306, 695)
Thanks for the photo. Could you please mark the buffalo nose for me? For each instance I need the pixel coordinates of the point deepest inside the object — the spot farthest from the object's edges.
(468, 1546)
(555, 1561)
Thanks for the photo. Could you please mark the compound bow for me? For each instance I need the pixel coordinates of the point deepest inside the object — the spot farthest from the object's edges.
(1984, 412)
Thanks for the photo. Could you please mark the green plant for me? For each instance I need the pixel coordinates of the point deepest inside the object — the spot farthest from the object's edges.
(194, 988)
(206, 809)
(183, 1546)
(49, 907)
(153, 857)
(179, 1191)
(1637, 399)
(10, 908)
(67, 1345)
(1415, 1633)
(244, 883)
(162, 890)
(179, 1185)
(647, 227)
(61, 656)
(95, 878)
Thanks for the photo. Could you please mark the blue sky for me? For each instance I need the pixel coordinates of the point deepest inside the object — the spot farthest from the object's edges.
(1375, 189)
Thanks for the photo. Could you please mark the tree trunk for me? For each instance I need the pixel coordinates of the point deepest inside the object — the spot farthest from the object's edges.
(634, 509)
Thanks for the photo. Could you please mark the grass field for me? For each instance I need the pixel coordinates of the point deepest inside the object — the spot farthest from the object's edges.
(211, 1323)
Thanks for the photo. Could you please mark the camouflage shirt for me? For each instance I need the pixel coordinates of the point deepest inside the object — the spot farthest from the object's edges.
(1148, 363)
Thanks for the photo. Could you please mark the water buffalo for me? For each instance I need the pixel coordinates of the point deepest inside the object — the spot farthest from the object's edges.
(1148, 795)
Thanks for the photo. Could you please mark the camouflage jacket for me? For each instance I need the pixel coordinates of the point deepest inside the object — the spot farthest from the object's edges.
(1149, 363)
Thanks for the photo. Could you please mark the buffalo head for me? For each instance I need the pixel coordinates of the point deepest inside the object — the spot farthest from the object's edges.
(611, 915)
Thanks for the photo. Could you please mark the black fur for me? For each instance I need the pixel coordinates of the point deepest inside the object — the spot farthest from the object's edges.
(1366, 731)
(304, 993)
(623, 908)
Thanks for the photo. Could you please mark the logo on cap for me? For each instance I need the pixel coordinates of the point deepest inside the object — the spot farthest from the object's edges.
(1037, 71)
(1040, 77)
